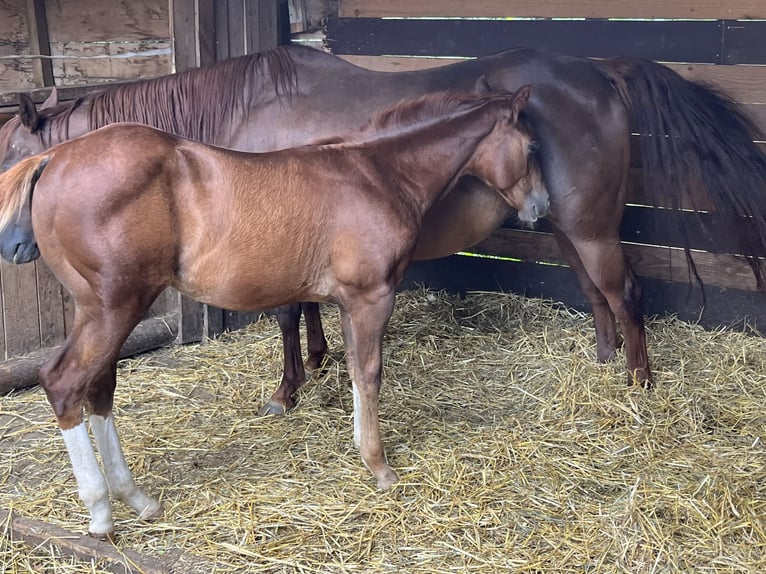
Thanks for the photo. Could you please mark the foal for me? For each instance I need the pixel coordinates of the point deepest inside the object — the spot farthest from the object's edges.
(126, 211)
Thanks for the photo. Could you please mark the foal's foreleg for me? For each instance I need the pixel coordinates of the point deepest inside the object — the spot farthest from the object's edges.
(364, 322)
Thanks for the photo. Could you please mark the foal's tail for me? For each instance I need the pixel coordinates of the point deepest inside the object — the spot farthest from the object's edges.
(693, 135)
(16, 186)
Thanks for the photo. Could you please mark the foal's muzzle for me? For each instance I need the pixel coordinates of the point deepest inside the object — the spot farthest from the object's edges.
(536, 205)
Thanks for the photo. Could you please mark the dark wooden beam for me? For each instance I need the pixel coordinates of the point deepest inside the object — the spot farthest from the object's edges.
(680, 41)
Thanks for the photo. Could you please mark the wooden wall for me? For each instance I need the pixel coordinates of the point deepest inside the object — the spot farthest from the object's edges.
(86, 42)
(723, 43)
(84, 45)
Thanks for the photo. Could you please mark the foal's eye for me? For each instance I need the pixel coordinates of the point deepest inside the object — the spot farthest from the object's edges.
(533, 146)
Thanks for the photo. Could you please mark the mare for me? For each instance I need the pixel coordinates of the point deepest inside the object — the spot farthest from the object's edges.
(582, 112)
(126, 211)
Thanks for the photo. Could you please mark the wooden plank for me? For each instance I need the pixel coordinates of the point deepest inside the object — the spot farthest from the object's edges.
(206, 38)
(39, 44)
(14, 74)
(13, 26)
(78, 63)
(686, 10)
(50, 302)
(236, 28)
(744, 42)
(261, 25)
(190, 320)
(108, 20)
(647, 261)
(724, 307)
(222, 31)
(183, 20)
(20, 310)
(668, 228)
(36, 533)
(679, 41)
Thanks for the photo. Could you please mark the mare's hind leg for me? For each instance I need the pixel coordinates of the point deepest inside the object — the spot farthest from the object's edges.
(294, 374)
(82, 374)
(315, 337)
(605, 263)
(603, 318)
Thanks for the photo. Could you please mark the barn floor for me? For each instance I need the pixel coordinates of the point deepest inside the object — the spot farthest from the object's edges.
(517, 452)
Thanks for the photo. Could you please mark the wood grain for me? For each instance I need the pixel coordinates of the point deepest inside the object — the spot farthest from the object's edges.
(688, 9)
(108, 20)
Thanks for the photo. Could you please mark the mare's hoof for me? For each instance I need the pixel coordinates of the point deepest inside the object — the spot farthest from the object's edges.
(643, 382)
(273, 408)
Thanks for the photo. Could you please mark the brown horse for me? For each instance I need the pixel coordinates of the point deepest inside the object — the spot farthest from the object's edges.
(580, 110)
(126, 211)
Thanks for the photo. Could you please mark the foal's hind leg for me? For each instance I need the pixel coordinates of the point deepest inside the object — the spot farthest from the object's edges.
(603, 318)
(82, 373)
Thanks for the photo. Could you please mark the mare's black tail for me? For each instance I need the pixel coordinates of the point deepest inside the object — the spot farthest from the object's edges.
(691, 134)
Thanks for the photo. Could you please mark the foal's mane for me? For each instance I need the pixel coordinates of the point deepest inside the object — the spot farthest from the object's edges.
(196, 103)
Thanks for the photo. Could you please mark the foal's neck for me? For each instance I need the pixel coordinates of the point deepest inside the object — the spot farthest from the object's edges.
(426, 162)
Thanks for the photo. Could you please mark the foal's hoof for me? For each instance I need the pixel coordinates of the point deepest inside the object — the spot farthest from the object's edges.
(102, 536)
(273, 408)
(152, 512)
(387, 479)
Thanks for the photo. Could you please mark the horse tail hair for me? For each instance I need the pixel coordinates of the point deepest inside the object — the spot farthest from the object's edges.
(16, 186)
(692, 134)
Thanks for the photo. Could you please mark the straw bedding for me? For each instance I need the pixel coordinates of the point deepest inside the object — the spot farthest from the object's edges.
(517, 452)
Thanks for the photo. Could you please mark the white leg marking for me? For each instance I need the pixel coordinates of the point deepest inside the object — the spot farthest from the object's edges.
(118, 475)
(357, 417)
(90, 481)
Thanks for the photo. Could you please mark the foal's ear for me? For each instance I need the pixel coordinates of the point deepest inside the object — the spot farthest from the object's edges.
(28, 115)
(520, 101)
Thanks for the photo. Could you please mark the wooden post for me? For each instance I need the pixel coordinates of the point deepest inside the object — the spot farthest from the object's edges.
(39, 44)
(205, 31)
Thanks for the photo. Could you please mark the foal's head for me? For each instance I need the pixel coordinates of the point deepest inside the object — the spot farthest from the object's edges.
(505, 159)
(503, 156)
